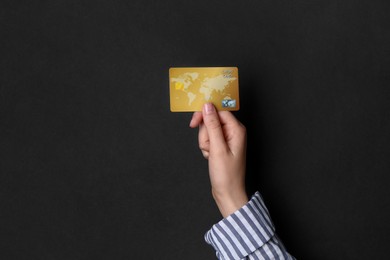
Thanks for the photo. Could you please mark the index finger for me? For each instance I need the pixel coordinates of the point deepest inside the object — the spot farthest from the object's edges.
(196, 120)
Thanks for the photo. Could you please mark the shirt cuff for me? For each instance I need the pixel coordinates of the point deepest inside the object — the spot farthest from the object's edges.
(243, 232)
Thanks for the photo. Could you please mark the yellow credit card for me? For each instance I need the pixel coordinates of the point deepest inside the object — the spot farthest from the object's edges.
(190, 88)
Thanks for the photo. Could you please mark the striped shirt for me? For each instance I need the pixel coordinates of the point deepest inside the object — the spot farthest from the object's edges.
(248, 233)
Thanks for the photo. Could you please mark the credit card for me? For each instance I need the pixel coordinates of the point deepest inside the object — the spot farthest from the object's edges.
(190, 88)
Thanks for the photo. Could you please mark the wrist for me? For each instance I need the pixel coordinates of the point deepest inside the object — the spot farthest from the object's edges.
(230, 202)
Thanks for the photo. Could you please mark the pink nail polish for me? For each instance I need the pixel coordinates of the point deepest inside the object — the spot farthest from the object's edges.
(209, 108)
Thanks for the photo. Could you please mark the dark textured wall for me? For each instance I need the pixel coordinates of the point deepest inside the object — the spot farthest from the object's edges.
(93, 165)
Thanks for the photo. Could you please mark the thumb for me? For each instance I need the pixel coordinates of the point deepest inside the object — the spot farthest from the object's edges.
(214, 129)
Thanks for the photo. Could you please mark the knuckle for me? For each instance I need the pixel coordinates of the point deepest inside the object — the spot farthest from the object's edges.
(204, 146)
(241, 129)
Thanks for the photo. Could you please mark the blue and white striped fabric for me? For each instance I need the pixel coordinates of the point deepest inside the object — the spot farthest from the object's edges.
(247, 234)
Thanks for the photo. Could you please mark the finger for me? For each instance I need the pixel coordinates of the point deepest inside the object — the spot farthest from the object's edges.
(197, 118)
(214, 128)
(203, 138)
(226, 117)
(205, 154)
(235, 132)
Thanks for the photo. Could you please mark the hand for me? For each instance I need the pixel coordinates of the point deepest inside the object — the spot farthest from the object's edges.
(222, 140)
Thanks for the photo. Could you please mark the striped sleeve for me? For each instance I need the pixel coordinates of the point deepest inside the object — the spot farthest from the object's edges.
(248, 233)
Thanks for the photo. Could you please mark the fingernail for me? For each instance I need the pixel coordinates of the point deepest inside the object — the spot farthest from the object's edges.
(209, 108)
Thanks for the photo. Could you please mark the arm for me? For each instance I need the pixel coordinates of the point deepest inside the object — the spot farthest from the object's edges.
(222, 140)
(246, 232)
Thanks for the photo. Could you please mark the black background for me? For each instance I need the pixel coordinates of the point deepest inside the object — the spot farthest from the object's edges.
(95, 166)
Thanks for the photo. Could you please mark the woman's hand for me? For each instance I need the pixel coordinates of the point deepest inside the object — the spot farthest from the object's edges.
(222, 140)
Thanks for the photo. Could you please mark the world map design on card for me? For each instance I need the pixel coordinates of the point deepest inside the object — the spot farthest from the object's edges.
(190, 88)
